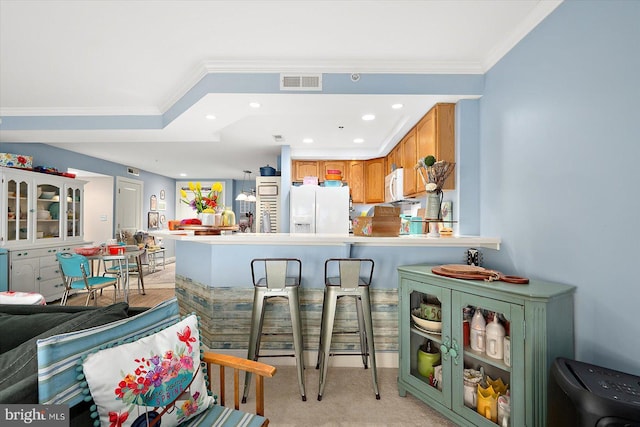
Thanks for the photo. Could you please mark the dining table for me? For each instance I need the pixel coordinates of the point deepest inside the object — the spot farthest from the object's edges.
(123, 264)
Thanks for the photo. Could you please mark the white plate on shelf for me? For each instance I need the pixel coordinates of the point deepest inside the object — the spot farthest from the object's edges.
(427, 331)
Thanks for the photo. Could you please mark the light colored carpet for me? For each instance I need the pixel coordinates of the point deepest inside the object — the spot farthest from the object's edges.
(161, 278)
(348, 400)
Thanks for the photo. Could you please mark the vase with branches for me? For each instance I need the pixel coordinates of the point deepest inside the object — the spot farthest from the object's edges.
(437, 172)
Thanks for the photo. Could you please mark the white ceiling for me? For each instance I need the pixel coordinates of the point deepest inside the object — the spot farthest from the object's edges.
(138, 58)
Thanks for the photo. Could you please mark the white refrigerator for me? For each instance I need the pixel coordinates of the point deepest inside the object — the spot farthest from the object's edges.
(317, 209)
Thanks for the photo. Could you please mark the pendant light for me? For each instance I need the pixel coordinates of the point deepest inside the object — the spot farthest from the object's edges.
(242, 197)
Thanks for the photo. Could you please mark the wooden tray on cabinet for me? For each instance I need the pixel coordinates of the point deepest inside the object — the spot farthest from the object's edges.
(207, 230)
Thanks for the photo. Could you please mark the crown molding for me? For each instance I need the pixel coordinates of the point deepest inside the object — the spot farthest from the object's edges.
(537, 15)
(339, 66)
(88, 111)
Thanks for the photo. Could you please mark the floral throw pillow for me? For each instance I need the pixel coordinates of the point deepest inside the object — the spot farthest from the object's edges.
(157, 377)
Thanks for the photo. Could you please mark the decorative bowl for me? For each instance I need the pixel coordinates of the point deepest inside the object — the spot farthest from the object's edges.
(43, 214)
(431, 312)
(428, 325)
(116, 250)
(332, 183)
(47, 194)
(87, 251)
(333, 176)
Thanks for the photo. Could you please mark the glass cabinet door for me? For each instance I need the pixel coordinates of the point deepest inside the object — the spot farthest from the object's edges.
(74, 212)
(428, 339)
(48, 215)
(483, 380)
(18, 210)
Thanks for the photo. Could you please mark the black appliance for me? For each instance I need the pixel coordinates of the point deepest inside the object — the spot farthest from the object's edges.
(581, 394)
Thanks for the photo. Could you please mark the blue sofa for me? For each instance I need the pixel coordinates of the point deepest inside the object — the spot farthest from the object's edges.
(39, 359)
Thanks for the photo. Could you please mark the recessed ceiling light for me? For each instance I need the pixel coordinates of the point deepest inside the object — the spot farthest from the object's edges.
(254, 104)
(210, 117)
(307, 140)
(183, 174)
(397, 106)
(358, 140)
(368, 117)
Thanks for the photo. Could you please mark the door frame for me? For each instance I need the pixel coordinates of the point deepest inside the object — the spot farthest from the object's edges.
(120, 180)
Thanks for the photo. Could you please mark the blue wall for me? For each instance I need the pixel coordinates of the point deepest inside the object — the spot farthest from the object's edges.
(559, 148)
(47, 155)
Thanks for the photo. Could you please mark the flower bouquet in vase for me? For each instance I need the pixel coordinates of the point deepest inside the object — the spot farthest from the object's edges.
(204, 202)
(437, 173)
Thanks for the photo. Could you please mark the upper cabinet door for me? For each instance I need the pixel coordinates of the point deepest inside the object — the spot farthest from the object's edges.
(410, 158)
(302, 168)
(50, 213)
(436, 136)
(374, 177)
(357, 181)
(74, 214)
(19, 209)
(340, 165)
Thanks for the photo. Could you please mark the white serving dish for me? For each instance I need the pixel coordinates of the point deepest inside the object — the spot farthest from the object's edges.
(44, 215)
(428, 325)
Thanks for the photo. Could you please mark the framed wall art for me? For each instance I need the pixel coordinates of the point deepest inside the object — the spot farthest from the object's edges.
(161, 194)
(153, 203)
(153, 220)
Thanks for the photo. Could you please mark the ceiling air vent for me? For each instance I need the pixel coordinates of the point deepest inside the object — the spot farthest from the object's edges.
(300, 81)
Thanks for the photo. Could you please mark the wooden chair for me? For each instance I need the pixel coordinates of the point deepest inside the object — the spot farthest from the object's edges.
(261, 370)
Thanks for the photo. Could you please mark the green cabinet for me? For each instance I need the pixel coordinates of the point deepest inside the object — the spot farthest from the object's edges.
(537, 318)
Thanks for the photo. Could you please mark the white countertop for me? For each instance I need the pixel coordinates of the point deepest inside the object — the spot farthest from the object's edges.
(306, 239)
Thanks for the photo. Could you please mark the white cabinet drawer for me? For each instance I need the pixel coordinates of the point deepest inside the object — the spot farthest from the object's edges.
(50, 272)
(52, 289)
(48, 261)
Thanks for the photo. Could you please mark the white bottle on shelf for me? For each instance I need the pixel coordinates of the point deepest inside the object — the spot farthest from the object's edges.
(495, 338)
(478, 325)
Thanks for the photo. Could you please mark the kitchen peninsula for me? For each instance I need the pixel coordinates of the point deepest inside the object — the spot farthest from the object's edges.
(213, 278)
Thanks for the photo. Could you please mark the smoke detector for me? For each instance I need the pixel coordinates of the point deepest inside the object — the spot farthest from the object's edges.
(278, 138)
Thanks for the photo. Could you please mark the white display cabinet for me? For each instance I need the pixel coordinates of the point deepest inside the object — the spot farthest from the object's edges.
(42, 215)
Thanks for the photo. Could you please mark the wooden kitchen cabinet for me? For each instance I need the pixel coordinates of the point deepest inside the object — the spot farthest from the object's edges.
(435, 135)
(341, 165)
(545, 308)
(357, 181)
(409, 160)
(394, 159)
(302, 168)
(374, 173)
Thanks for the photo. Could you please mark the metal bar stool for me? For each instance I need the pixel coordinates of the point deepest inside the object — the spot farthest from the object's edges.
(352, 284)
(276, 283)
